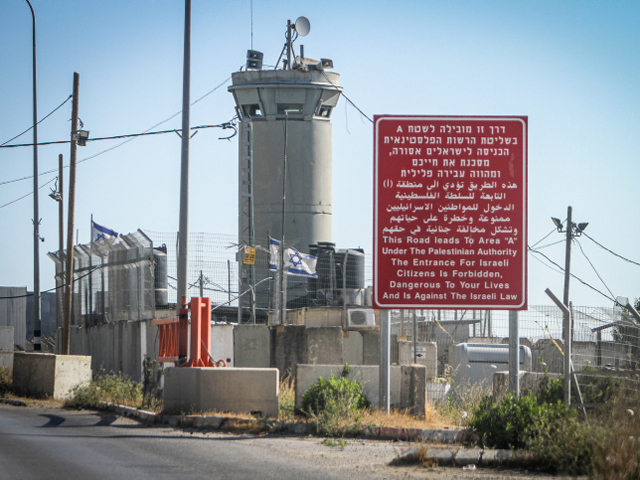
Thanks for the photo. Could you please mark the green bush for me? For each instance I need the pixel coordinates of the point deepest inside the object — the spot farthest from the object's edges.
(334, 404)
(335, 393)
(504, 425)
(562, 444)
(550, 390)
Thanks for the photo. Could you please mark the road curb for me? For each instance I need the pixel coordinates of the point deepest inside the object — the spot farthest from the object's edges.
(442, 436)
(452, 456)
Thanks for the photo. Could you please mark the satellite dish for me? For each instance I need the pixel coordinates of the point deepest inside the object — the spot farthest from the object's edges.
(302, 26)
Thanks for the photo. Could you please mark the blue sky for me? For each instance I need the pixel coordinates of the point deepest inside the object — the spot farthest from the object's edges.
(572, 67)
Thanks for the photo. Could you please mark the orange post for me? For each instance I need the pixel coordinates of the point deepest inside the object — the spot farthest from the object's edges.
(200, 333)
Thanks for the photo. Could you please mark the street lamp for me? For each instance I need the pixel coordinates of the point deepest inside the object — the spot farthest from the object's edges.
(571, 230)
(36, 214)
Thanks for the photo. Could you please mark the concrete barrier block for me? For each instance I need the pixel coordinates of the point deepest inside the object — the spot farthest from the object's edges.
(289, 348)
(413, 390)
(252, 346)
(6, 340)
(48, 375)
(222, 389)
(222, 344)
(352, 348)
(371, 348)
(325, 345)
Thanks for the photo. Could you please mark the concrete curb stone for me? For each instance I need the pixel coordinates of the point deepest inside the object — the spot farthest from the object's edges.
(459, 457)
(468, 456)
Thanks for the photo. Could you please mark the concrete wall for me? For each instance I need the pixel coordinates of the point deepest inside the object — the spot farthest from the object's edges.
(222, 344)
(370, 348)
(6, 347)
(407, 384)
(427, 356)
(115, 347)
(222, 389)
(546, 356)
(352, 345)
(325, 346)
(13, 312)
(289, 348)
(252, 346)
(47, 375)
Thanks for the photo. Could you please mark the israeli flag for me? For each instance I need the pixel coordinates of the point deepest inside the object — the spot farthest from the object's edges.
(98, 232)
(295, 262)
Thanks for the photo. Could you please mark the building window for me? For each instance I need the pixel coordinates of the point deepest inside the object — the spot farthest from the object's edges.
(290, 108)
(324, 111)
(252, 110)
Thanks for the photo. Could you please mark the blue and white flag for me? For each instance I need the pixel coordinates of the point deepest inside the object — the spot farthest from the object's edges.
(295, 262)
(98, 232)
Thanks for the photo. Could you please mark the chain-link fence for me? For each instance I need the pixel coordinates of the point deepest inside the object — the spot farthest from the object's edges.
(604, 339)
(212, 265)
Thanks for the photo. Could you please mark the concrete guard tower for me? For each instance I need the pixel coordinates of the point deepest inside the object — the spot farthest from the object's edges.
(284, 126)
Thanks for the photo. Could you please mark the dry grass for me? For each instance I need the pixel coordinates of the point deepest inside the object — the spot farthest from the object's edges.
(6, 382)
(402, 419)
(617, 453)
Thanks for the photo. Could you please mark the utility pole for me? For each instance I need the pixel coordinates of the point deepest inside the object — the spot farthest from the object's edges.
(571, 230)
(183, 233)
(567, 271)
(60, 296)
(60, 205)
(68, 303)
(36, 213)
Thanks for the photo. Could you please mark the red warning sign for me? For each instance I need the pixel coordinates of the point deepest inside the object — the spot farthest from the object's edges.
(450, 212)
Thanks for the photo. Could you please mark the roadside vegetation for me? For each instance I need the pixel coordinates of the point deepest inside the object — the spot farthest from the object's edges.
(558, 438)
(6, 382)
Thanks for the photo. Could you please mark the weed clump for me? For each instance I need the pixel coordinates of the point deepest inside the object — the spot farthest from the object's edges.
(6, 382)
(334, 404)
(106, 387)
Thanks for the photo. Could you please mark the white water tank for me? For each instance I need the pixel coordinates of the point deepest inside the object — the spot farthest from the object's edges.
(474, 363)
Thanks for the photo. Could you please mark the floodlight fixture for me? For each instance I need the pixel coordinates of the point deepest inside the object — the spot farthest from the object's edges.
(582, 226)
(557, 223)
(81, 137)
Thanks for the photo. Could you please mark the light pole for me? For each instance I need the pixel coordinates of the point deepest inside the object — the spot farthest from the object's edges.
(572, 230)
(36, 214)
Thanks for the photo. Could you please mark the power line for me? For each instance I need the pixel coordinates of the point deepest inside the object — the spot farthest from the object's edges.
(225, 125)
(98, 267)
(593, 267)
(574, 276)
(611, 251)
(346, 98)
(129, 139)
(543, 238)
(30, 193)
(41, 120)
(116, 137)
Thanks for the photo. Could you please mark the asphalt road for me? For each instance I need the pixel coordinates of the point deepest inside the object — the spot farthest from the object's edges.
(51, 443)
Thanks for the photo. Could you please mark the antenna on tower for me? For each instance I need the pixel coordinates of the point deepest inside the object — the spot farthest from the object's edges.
(301, 27)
